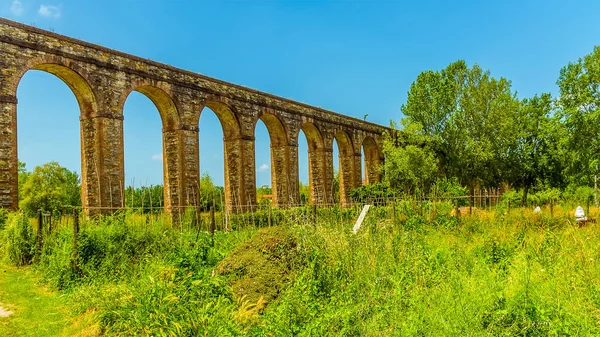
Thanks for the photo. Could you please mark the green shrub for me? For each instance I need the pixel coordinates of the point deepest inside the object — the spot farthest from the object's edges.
(19, 240)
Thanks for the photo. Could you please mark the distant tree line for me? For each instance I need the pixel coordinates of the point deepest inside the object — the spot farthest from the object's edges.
(461, 124)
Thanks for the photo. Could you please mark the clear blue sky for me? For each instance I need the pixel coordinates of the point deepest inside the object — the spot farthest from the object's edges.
(354, 57)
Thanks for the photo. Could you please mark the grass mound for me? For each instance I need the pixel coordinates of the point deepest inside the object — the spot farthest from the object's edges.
(262, 267)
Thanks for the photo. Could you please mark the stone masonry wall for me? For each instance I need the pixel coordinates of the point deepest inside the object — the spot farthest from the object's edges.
(102, 79)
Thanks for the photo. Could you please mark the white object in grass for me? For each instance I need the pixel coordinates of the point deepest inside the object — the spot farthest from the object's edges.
(360, 219)
(580, 214)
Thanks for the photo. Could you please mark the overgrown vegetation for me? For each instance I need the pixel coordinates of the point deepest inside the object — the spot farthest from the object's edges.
(492, 273)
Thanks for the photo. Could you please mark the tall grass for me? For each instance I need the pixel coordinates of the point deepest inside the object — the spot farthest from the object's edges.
(417, 273)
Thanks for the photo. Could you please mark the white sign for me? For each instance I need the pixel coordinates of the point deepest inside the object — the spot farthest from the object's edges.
(360, 219)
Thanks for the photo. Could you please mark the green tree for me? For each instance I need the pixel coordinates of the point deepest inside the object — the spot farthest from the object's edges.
(50, 187)
(146, 197)
(408, 167)
(533, 154)
(579, 102)
(466, 114)
(210, 195)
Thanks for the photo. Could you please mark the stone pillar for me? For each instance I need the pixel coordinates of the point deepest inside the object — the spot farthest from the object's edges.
(240, 175)
(357, 170)
(347, 176)
(103, 175)
(172, 161)
(180, 168)
(318, 179)
(9, 177)
(284, 175)
(191, 165)
(294, 180)
(372, 173)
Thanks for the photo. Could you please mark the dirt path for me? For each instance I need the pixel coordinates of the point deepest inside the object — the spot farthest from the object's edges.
(4, 312)
(27, 308)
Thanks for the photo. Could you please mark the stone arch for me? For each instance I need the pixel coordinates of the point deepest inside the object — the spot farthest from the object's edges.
(233, 150)
(77, 80)
(346, 164)
(372, 160)
(226, 115)
(344, 142)
(159, 94)
(68, 72)
(283, 185)
(314, 138)
(277, 130)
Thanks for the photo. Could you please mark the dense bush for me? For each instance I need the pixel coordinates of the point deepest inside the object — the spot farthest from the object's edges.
(18, 240)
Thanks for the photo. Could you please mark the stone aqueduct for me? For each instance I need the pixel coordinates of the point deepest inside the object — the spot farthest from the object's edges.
(101, 80)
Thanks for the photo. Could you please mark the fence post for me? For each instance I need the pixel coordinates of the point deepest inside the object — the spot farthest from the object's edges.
(393, 212)
(75, 262)
(508, 206)
(269, 215)
(456, 211)
(40, 228)
(471, 203)
(314, 214)
(551, 208)
(212, 224)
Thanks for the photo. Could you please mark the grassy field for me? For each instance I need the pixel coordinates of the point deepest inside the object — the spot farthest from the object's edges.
(37, 310)
(488, 274)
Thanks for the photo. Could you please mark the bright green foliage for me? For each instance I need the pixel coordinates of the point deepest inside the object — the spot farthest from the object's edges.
(533, 154)
(37, 311)
(409, 167)
(210, 195)
(23, 175)
(304, 193)
(50, 187)
(515, 274)
(464, 112)
(146, 197)
(372, 193)
(579, 102)
(18, 240)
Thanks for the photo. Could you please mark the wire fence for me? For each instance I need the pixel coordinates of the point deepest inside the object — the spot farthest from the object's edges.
(265, 215)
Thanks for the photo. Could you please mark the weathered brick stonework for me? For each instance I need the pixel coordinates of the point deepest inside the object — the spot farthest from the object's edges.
(101, 80)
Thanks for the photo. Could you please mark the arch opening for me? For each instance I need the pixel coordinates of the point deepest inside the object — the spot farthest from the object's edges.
(346, 165)
(45, 134)
(212, 161)
(86, 102)
(168, 155)
(283, 189)
(143, 152)
(219, 131)
(316, 164)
